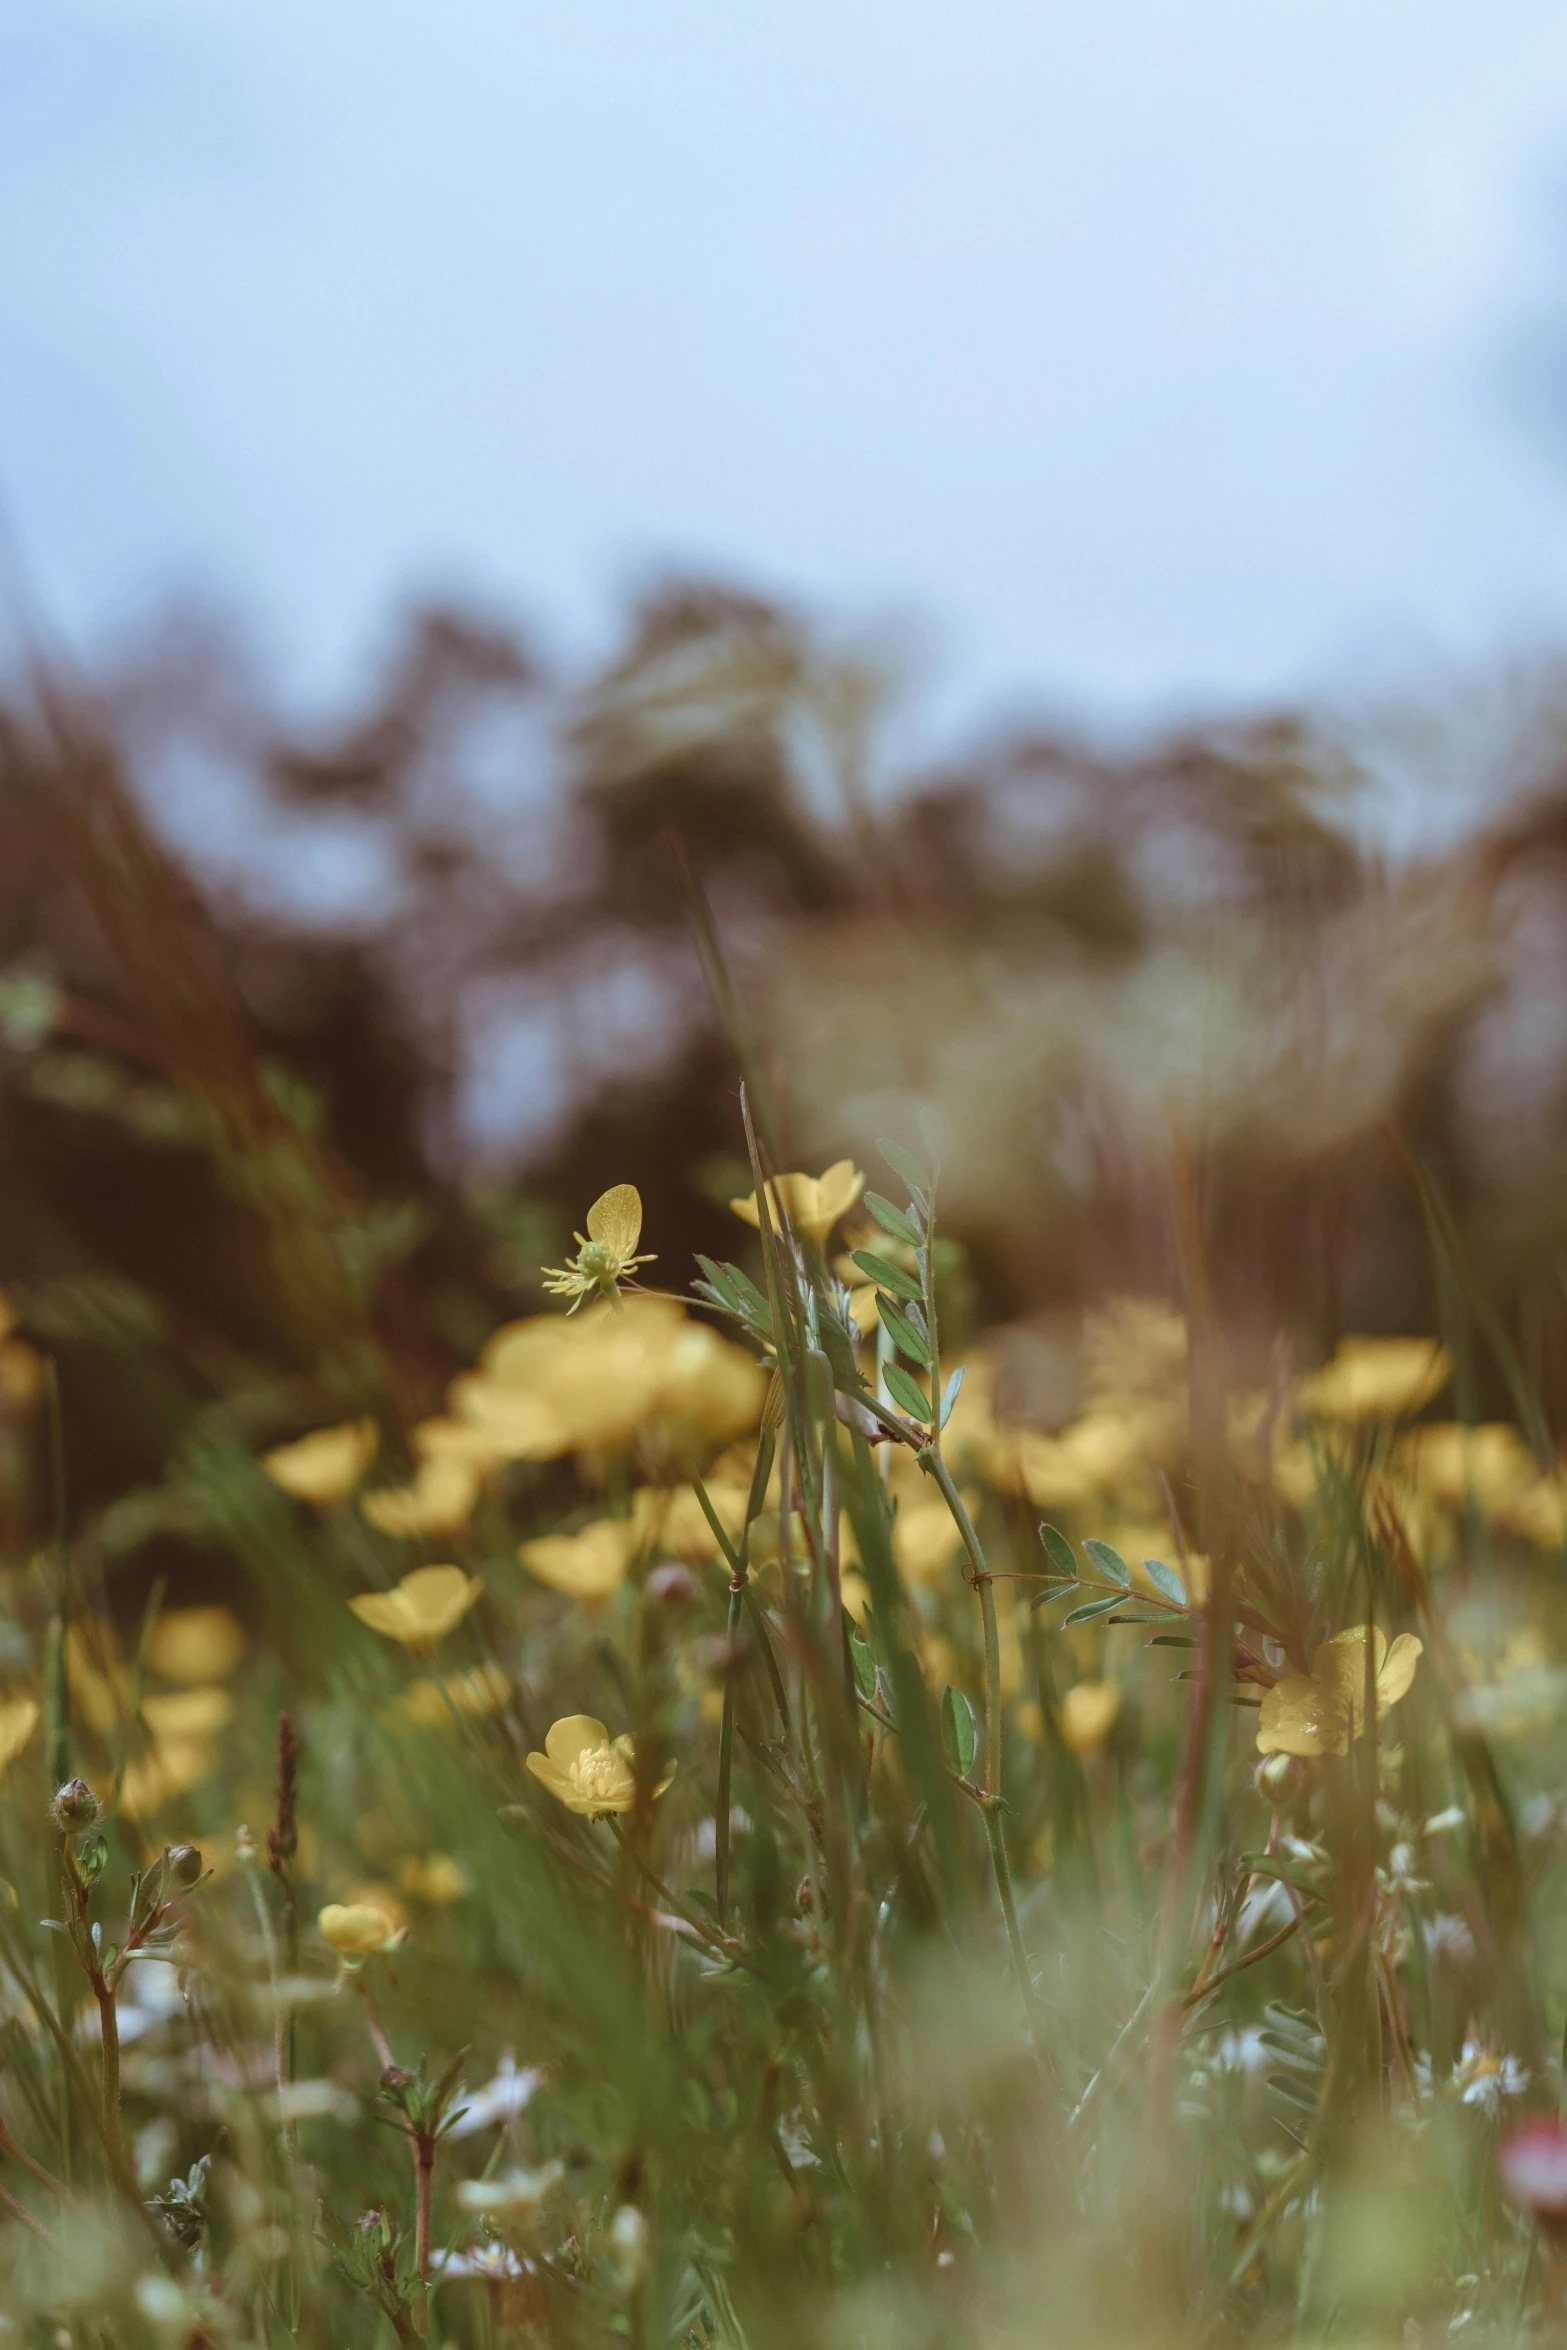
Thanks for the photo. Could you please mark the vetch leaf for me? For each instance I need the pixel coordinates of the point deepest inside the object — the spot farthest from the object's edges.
(1109, 1562)
(864, 1668)
(949, 1396)
(1165, 1580)
(1058, 1550)
(891, 1277)
(902, 1227)
(904, 1335)
(907, 1394)
(959, 1735)
(1094, 1607)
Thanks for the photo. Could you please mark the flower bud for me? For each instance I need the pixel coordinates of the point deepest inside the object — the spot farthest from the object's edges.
(75, 1806)
(671, 1584)
(184, 1864)
(395, 2078)
(1282, 1778)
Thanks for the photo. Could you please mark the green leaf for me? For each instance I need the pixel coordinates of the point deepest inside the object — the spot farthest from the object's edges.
(907, 1394)
(1140, 1619)
(893, 1220)
(864, 1668)
(1109, 1562)
(949, 1396)
(959, 1733)
(889, 1276)
(1172, 1640)
(1165, 1580)
(904, 1163)
(718, 1280)
(1058, 1550)
(905, 1335)
(1094, 1607)
(1062, 1591)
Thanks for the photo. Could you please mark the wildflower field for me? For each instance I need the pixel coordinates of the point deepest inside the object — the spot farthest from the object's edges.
(707, 1810)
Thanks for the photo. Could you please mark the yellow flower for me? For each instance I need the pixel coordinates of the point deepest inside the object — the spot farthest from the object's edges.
(439, 1501)
(1087, 1714)
(325, 1466)
(587, 1770)
(435, 1879)
(590, 1565)
(606, 1252)
(171, 1767)
(358, 1929)
(18, 1721)
(1319, 1713)
(1083, 1461)
(457, 1440)
(188, 1713)
(424, 1607)
(676, 1524)
(431, 1704)
(196, 1644)
(812, 1203)
(1489, 1465)
(1377, 1379)
(1539, 1512)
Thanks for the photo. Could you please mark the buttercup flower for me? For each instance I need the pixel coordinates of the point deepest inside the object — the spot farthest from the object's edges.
(18, 1721)
(356, 1929)
(1319, 1713)
(1377, 1379)
(1088, 1713)
(1455, 1465)
(434, 1878)
(324, 1467)
(196, 1644)
(590, 1565)
(606, 1253)
(439, 1501)
(171, 1767)
(188, 1713)
(424, 1607)
(586, 1769)
(431, 1704)
(812, 1203)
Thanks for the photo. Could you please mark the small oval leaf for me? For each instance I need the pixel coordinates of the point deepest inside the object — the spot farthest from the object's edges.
(1165, 1581)
(1058, 1550)
(959, 1735)
(1109, 1562)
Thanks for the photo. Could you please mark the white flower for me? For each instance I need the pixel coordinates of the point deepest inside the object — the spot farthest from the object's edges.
(514, 2190)
(500, 2100)
(481, 2260)
(1482, 2079)
(1447, 1936)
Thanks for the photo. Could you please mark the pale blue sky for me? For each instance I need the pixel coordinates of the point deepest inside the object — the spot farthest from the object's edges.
(1151, 351)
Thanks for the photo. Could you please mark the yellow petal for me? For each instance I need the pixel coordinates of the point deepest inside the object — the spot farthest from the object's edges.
(837, 1190)
(354, 1928)
(171, 1768)
(1397, 1675)
(572, 1736)
(18, 1721)
(1377, 1379)
(325, 1466)
(196, 1644)
(425, 1606)
(615, 1219)
(439, 1501)
(431, 1704)
(1088, 1713)
(188, 1713)
(1301, 1716)
(590, 1565)
(435, 1879)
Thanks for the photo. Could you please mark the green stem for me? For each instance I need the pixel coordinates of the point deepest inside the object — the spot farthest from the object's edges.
(726, 1746)
(113, 2129)
(1002, 1867)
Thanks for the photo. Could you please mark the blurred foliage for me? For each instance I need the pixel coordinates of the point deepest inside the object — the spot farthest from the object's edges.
(731, 1878)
